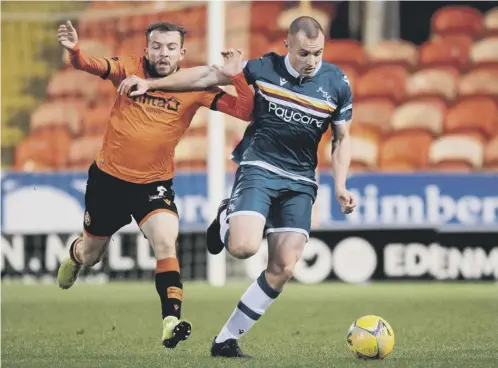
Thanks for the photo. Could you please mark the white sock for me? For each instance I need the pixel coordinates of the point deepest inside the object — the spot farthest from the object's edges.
(223, 225)
(255, 301)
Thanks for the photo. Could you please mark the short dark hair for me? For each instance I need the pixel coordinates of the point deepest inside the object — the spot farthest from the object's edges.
(308, 25)
(166, 27)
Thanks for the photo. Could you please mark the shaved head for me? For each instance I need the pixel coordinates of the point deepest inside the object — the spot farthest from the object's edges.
(309, 26)
(305, 43)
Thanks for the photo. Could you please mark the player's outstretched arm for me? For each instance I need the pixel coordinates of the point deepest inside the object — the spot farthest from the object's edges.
(240, 106)
(68, 38)
(341, 159)
(191, 79)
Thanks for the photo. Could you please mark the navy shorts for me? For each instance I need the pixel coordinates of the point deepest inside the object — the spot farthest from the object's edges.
(266, 194)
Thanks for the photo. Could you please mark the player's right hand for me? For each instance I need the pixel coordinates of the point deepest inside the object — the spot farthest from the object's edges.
(133, 86)
(232, 63)
(67, 35)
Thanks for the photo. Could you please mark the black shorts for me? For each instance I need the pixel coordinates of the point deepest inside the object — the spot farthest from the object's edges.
(111, 202)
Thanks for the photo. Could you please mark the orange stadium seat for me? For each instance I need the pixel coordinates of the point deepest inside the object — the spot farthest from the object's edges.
(481, 82)
(432, 83)
(71, 83)
(372, 117)
(490, 22)
(405, 151)
(383, 81)
(418, 116)
(456, 153)
(345, 52)
(478, 115)
(391, 52)
(451, 50)
(83, 151)
(491, 154)
(43, 149)
(457, 20)
(485, 51)
(364, 154)
(56, 115)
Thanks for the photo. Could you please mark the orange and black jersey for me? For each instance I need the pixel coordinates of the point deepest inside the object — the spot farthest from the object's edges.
(143, 131)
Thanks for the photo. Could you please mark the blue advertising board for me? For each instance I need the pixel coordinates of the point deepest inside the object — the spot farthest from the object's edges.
(34, 203)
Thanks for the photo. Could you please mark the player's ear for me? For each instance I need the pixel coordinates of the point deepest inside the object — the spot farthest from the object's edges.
(183, 51)
(286, 44)
(146, 52)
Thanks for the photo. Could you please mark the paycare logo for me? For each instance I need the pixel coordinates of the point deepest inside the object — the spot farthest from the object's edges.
(289, 115)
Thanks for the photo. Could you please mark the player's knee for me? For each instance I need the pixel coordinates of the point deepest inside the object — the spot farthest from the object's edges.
(242, 249)
(281, 271)
(163, 247)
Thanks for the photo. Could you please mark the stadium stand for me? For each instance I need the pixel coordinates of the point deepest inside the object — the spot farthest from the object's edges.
(413, 105)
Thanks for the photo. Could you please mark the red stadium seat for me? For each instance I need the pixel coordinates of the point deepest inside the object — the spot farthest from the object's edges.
(393, 53)
(477, 115)
(419, 116)
(445, 51)
(56, 115)
(456, 153)
(406, 150)
(43, 149)
(345, 52)
(432, 83)
(457, 20)
(72, 83)
(383, 81)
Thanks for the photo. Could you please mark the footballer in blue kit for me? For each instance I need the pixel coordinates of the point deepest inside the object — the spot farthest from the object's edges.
(297, 98)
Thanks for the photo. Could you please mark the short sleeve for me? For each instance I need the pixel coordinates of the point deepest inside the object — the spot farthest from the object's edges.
(344, 110)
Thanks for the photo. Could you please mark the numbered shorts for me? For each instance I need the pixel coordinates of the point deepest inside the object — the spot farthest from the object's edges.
(111, 202)
(283, 209)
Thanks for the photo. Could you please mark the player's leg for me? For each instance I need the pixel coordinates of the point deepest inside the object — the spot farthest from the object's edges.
(244, 213)
(105, 213)
(157, 217)
(291, 218)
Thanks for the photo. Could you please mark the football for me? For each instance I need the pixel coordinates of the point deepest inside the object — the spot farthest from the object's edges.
(370, 338)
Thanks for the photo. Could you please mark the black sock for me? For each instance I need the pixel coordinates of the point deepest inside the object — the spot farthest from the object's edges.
(169, 287)
(72, 250)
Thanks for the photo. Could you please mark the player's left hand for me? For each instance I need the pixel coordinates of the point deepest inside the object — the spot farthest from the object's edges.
(346, 199)
(232, 62)
(133, 86)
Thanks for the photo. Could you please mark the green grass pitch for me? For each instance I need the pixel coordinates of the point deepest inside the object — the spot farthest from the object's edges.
(118, 325)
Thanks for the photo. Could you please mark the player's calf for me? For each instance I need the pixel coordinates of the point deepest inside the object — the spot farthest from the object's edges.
(161, 229)
(284, 251)
(84, 251)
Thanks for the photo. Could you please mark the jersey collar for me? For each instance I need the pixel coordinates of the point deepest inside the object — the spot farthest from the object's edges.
(294, 72)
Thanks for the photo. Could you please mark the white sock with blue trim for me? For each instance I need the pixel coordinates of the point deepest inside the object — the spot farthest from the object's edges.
(223, 227)
(255, 301)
